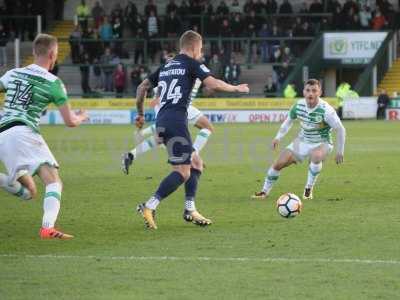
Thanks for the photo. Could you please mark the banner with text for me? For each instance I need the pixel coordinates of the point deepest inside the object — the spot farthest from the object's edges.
(360, 108)
(215, 116)
(352, 47)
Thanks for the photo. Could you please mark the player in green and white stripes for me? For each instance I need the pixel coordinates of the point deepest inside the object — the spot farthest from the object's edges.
(317, 119)
(24, 152)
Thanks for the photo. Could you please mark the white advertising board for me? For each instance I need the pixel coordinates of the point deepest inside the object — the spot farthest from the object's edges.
(352, 47)
(360, 108)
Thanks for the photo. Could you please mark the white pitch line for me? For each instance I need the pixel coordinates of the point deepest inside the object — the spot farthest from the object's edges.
(212, 259)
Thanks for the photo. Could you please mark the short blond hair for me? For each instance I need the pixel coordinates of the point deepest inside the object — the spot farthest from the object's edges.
(43, 43)
(189, 38)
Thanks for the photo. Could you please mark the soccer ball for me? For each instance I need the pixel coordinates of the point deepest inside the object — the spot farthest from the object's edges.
(289, 205)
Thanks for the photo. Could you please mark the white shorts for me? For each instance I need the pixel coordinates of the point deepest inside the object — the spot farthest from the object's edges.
(194, 114)
(23, 151)
(302, 150)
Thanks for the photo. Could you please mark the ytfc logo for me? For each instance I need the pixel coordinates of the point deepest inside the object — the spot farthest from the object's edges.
(338, 46)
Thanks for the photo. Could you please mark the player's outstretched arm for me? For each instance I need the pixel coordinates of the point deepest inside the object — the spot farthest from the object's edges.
(141, 94)
(221, 86)
(71, 118)
(283, 130)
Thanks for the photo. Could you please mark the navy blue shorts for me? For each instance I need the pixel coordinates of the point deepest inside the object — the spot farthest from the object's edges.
(176, 138)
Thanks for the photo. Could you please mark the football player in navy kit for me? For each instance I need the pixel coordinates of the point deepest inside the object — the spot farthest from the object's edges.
(176, 80)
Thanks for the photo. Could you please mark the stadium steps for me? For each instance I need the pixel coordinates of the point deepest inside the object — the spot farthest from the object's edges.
(391, 81)
(62, 30)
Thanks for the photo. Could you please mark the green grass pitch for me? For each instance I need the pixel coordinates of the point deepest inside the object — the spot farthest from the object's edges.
(344, 245)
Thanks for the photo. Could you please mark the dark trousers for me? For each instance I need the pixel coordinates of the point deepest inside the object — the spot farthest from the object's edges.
(381, 113)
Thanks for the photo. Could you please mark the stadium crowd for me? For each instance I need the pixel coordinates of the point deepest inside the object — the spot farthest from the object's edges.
(99, 33)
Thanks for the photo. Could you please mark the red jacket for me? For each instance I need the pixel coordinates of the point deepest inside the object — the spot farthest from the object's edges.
(119, 78)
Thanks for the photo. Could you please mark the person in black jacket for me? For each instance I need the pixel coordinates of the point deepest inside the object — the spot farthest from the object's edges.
(383, 102)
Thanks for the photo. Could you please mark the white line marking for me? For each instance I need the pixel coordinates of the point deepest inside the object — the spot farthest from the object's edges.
(212, 259)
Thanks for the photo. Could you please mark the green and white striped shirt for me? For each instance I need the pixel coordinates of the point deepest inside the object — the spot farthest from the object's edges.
(29, 91)
(316, 123)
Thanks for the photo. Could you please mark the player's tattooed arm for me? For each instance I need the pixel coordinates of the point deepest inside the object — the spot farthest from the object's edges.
(221, 86)
(141, 94)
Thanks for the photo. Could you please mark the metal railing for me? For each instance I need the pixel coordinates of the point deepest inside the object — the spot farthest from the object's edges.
(367, 82)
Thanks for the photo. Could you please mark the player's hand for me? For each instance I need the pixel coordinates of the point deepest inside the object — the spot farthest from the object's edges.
(339, 158)
(275, 144)
(243, 88)
(139, 121)
(83, 115)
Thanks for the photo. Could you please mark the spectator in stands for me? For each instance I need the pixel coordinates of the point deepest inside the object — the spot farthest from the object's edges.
(74, 42)
(225, 32)
(248, 6)
(171, 7)
(333, 5)
(237, 31)
(215, 66)
(3, 45)
(264, 45)
(282, 72)
(135, 80)
(222, 9)
(337, 18)
(106, 32)
(259, 6)
(150, 7)
(287, 55)
(383, 103)
(172, 27)
(286, 7)
(379, 21)
(232, 72)
(119, 80)
(139, 46)
(212, 31)
(209, 8)
(98, 14)
(98, 82)
(85, 73)
(82, 11)
(276, 55)
(107, 68)
(316, 7)
(117, 34)
(117, 13)
(350, 4)
(184, 12)
(365, 17)
(59, 9)
(130, 16)
(270, 87)
(235, 6)
(271, 7)
(152, 32)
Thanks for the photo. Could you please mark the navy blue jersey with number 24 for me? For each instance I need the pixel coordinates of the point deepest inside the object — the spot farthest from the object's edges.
(175, 81)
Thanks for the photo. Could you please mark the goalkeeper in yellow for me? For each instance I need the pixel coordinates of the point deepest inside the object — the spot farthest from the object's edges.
(314, 142)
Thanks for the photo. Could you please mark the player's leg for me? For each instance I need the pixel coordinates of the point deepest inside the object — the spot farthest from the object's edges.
(206, 129)
(176, 138)
(51, 203)
(179, 174)
(317, 156)
(24, 187)
(146, 145)
(190, 213)
(285, 159)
